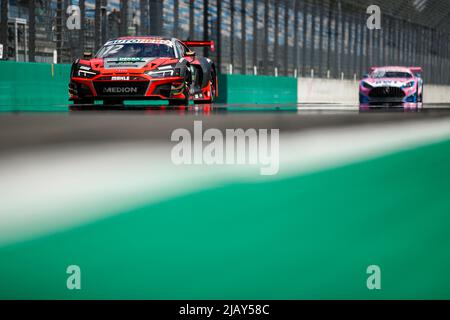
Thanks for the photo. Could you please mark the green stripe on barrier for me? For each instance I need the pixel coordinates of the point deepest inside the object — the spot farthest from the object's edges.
(24, 85)
(257, 89)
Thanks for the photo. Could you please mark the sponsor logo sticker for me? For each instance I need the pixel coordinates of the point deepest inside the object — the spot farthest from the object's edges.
(120, 90)
(120, 78)
(128, 59)
(132, 41)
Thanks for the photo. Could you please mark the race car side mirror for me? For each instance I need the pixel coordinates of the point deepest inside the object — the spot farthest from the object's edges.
(87, 55)
(190, 54)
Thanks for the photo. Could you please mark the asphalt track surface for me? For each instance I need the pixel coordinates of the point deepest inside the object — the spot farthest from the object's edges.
(24, 131)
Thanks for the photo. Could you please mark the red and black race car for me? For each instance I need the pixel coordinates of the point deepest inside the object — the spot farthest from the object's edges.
(144, 68)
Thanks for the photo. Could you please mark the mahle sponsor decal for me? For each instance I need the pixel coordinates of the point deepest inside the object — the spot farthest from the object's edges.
(126, 78)
(120, 90)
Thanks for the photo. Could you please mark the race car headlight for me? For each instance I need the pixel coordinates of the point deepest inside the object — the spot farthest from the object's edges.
(366, 85)
(85, 72)
(164, 71)
(409, 84)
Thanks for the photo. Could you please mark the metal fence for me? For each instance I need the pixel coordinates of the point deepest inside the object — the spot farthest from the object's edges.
(326, 38)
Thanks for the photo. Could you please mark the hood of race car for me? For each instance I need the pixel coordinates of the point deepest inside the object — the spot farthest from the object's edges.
(387, 82)
(127, 63)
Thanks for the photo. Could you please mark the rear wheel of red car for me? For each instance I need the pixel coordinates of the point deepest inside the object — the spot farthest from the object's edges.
(212, 92)
(213, 87)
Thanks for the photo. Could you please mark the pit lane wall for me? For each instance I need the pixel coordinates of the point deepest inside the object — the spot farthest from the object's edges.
(43, 87)
(25, 84)
(250, 89)
(318, 90)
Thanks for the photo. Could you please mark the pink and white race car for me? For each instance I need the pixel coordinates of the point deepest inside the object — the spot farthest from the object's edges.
(392, 85)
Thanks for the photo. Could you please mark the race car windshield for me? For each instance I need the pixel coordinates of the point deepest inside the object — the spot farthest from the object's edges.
(136, 50)
(391, 74)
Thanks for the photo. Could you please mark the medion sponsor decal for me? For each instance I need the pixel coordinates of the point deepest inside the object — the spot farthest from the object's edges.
(120, 90)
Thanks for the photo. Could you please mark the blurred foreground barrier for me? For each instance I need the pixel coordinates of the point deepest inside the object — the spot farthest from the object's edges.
(32, 84)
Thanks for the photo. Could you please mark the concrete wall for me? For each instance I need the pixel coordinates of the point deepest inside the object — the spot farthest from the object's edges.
(436, 94)
(317, 90)
(346, 91)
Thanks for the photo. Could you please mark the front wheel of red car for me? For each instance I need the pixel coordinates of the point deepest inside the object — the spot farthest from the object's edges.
(186, 92)
(181, 102)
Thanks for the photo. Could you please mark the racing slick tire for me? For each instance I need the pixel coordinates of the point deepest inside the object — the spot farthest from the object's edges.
(361, 99)
(420, 98)
(187, 90)
(181, 102)
(212, 92)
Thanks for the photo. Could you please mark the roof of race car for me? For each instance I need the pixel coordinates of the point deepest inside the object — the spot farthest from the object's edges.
(392, 68)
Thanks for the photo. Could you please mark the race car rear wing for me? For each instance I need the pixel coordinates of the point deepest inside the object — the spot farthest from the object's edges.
(416, 70)
(196, 44)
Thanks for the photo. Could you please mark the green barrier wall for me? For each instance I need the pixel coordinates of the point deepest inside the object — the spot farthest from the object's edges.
(257, 89)
(41, 86)
(25, 85)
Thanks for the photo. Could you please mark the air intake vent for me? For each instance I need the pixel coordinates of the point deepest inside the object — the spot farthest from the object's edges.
(387, 92)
